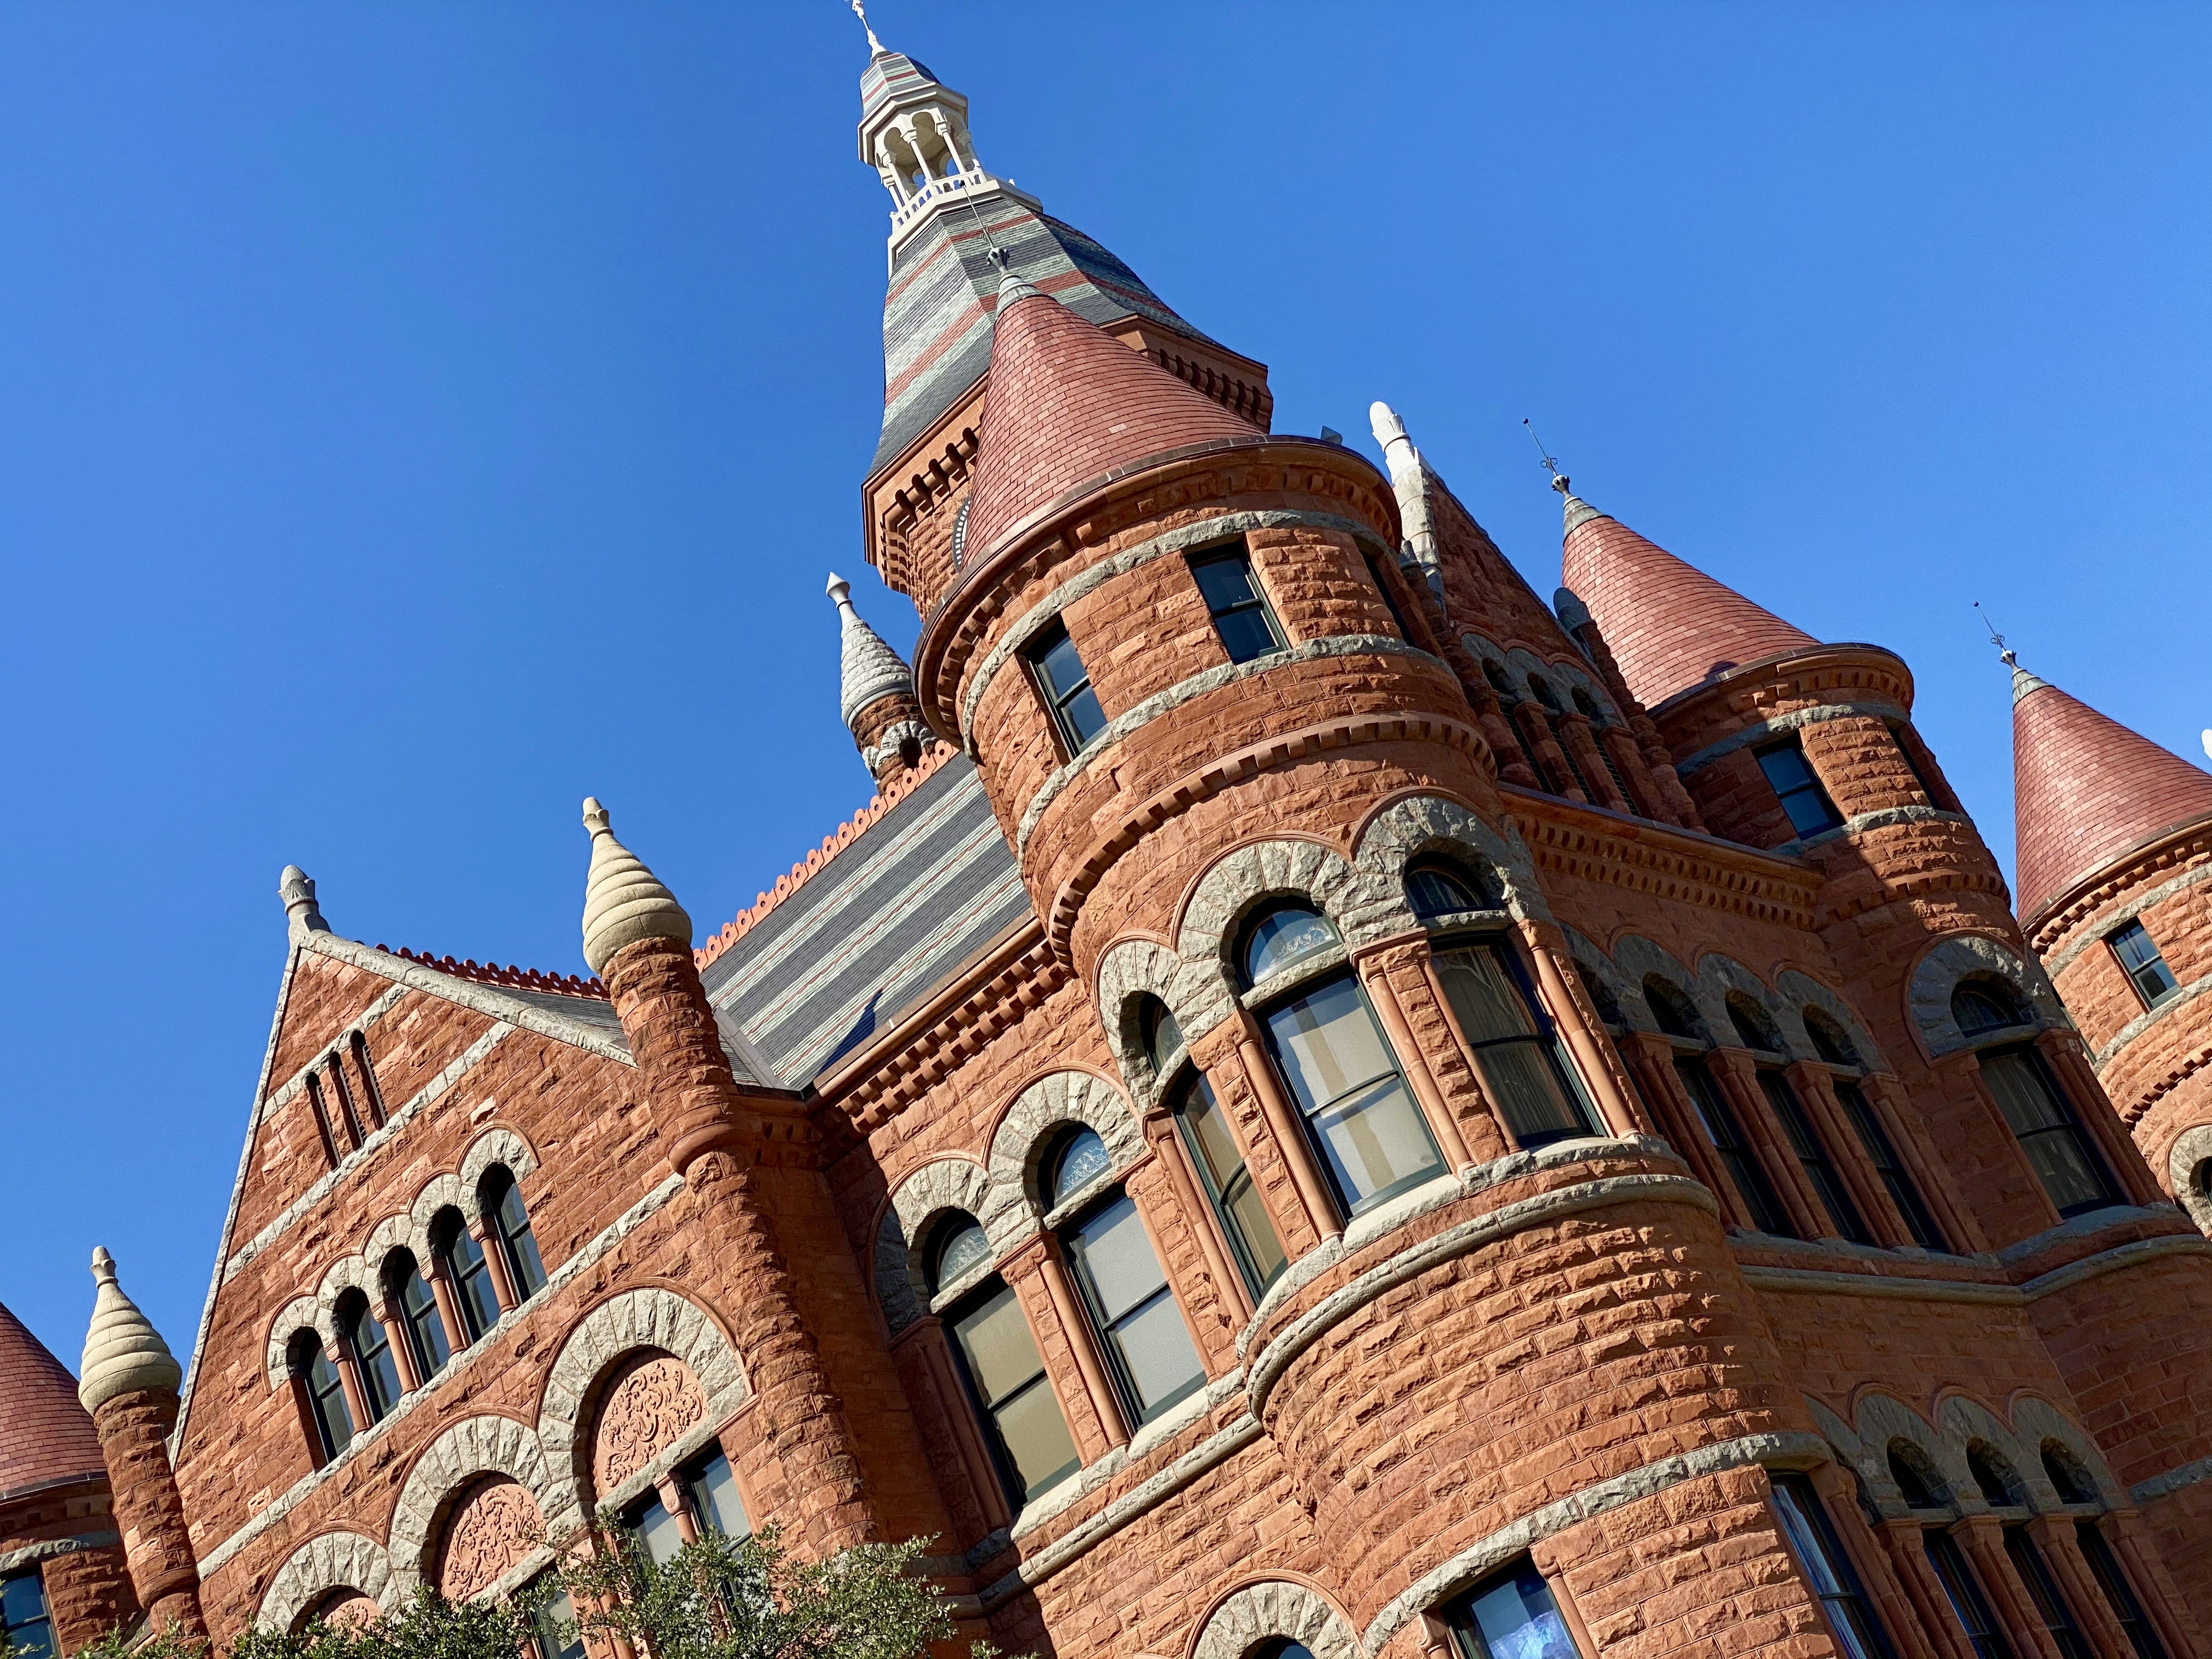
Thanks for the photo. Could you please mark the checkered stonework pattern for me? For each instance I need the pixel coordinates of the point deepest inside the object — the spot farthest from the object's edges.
(1670, 625)
(44, 1435)
(1068, 403)
(2085, 790)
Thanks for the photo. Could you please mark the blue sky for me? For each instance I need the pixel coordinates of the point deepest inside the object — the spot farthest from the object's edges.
(417, 416)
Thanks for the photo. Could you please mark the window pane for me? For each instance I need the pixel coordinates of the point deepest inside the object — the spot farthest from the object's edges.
(1036, 1438)
(1965, 1596)
(1224, 583)
(656, 1531)
(23, 1618)
(715, 1494)
(521, 1246)
(1117, 1259)
(553, 1621)
(1515, 1618)
(2118, 1591)
(2047, 1133)
(2139, 957)
(1329, 1043)
(1086, 719)
(1155, 1346)
(1375, 1139)
(962, 1248)
(1000, 1351)
(1080, 1161)
(1883, 1157)
(421, 1307)
(1799, 790)
(1246, 635)
(1060, 667)
(1813, 1157)
(2050, 1605)
(1743, 1166)
(1217, 1152)
(1488, 1004)
(1282, 937)
(1255, 1229)
(379, 1372)
(1527, 1089)
(1816, 1549)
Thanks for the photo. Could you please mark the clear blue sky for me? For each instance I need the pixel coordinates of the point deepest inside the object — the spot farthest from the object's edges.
(417, 416)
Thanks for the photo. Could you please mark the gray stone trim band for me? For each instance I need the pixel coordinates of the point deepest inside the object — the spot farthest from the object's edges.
(369, 1438)
(2149, 1017)
(1796, 720)
(31, 1554)
(1814, 1282)
(1886, 817)
(1215, 529)
(1787, 1450)
(1210, 679)
(2145, 1492)
(483, 999)
(2059, 961)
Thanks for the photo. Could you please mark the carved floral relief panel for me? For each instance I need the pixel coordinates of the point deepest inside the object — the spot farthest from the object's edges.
(492, 1529)
(647, 1408)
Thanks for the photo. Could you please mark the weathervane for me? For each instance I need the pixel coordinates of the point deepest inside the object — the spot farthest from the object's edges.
(1559, 480)
(2009, 659)
(861, 12)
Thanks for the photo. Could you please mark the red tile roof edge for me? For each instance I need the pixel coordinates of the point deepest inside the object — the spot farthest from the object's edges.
(891, 794)
(491, 973)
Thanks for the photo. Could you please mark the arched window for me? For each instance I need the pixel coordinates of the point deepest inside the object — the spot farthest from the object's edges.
(1678, 1016)
(501, 1196)
(1277, 938)
(1919, 1485)
(1158, 1031)
(1758, 1031)
(1754, 1025)
(322, 1396)
(1601, 998)
(372, 1353)
(1228, 1184)
(1360, 1117)
(1586, 706)
(322, 1113)
(1829, 1040)
(2036, 1111)
(1545, 695)
(1438, 886)
(405, 1289)
(1524, 1067)
(2066, 1476)
(1834, 1046)
(2000, 1487)
(998, 1365)
(1130, 1305)
(1500, 681)
(467, 1272)
(27, 1629)
(1281, 1648)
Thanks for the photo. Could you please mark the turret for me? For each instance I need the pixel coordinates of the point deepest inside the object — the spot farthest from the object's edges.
(128, 1382)
(875, 692)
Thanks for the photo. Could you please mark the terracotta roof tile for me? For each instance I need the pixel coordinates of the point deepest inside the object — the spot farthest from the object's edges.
(491, 973)
(1066, 402)
(2085, 790)
(44, 1435)
(1670, 626)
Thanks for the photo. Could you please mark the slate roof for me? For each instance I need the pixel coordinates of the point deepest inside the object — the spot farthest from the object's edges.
(1669, 625)
(2087, 790)
(44, 1434)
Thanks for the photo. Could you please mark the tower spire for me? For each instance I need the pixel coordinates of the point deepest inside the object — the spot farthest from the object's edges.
(876, 48)
(875, 691)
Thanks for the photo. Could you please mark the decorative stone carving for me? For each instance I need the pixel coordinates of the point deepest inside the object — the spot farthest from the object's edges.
(493, 1527)
(1271, 1611)
(348, 1609)
(475, 1446)
(948, 1183)
(646, 1410)
(335, 1563)
(1010, 1212)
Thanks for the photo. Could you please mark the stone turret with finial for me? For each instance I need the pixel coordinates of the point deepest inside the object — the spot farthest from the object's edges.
(875, 692)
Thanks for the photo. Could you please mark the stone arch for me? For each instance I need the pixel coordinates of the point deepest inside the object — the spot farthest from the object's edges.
(1882, 1421)
(474, 1447)
(300, 1313)
(1198, 997)
(1362, 907)
(442, 1191)
(490, 1538)
(1964, 1421)
(1627, 997)
(1635, 959)
(1011, 1209)
(1941, 968)
(335, 1561)
(349, 1272)
(393, 1233)
(650, 1316)
(2036, 1424)
(496, 1146)
(1717, 976)
(1796, 991)
(947, 1183)
(1415, 824)
(1274, 1609)
(2189, 1153)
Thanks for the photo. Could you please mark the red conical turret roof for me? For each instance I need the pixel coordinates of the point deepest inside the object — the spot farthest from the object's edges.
(44, 1435)
(1670, 625)
(1068, 404)
(2087, 790)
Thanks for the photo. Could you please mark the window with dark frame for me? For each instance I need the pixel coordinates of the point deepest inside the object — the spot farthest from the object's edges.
(418, 1311)
(2140, 960)
(2042, 1120)
(655, 1528)
(468, 1273)
(2118, 1592)
(1799, 788)
(1511, 1614)
(1065, 684)
(372, 1353)
(1389, 600)
(1228, 1184)
(2043, 1591)
(1524, 1066)
(1005, 1378)
(1895, 1178)
(1126, 1297)
(1718, 1121)
(328, 1418)
(710, 1488)
(501, 1196)
(1964, 1592)
(1813, 1157)
(27, 1629)
(1242, 615)
(1851, 1615)
(555, 1631)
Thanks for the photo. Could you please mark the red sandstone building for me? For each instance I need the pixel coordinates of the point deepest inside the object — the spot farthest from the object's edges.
(1327, 1108)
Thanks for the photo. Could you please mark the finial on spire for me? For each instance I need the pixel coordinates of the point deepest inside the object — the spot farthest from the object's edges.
(876, 48)
(2022, 681)
(839, 592)
(1012, 285)
(1560, 482)
(123, 1352)
(623, 900)
(297, 889)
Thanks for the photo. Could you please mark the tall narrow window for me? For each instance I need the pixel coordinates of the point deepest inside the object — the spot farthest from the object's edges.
(1361, 1120)
(1799, 789)
(2141, 1637)
(1813, 1157)
(1390, 599)
(1894, 1176)
(418, 1313)
(1240, 611)
(372, 1096)
(322, 1112)
(555, 1632)
(468, 1273)
(1850, 1614)
(1714, 1117)
(372, 1352)
(2045, 1125)
(1133, 1309)
(1964, 1595)
(1066, 685)
(2146, 968)
(1908, 747)
(344, 1096)
(1228, 1184)
(2050, 1605)
(657, 1533)
(1523, 1070)
(27, 1629)
(711, 1488)
(501, 1197)
(1000, 1361)
(1511, 1615)
(328, 1419)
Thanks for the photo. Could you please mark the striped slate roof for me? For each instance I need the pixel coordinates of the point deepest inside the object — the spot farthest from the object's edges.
(937, 312)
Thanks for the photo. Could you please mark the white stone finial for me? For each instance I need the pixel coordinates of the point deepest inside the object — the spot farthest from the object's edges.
(123, 1352)
(1384, 420)
(2207, 738)
(623, 900)
(875, 47)
(1409, 482)
(841, 593)
(867, 668)
(297, 889)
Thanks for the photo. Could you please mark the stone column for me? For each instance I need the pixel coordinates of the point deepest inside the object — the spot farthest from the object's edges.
(1905, 1539)
(129, 1384)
